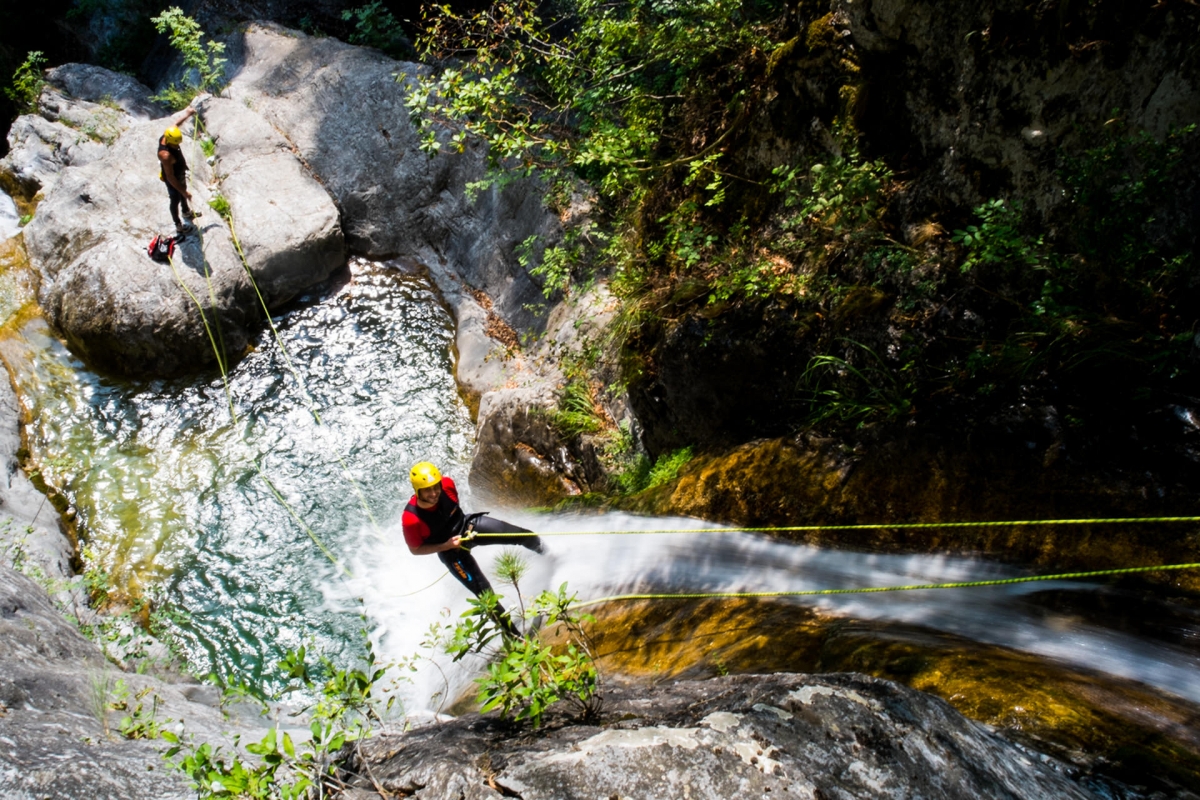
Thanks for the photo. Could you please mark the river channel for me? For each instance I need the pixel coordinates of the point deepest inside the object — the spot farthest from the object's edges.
(265, 507)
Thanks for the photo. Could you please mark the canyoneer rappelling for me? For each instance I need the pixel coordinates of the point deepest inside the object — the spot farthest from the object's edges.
(435, 523)
(173, 169)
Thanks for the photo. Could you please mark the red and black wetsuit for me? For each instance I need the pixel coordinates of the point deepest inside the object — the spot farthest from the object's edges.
(439, 524)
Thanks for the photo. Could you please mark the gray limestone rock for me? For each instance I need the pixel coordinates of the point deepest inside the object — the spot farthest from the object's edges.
(94, 84)
(117, 308)
(343, 110)
(82, 110)
(29, 528)
(57, 729)
(286, 224)
(790, 736)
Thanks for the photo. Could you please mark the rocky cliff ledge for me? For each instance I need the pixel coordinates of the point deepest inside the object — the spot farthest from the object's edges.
(797, 736)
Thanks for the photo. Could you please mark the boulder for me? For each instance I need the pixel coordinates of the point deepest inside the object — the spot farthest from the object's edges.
(82, 109)
(288, 228)
(786, 735)
(58, 737)
(125, 313)
(117, 308)
(343, 110)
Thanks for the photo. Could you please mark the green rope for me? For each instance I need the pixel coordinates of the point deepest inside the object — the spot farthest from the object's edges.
(302, 523)
(863, 527)
(211, 339)
(874, 589)
(312, 406)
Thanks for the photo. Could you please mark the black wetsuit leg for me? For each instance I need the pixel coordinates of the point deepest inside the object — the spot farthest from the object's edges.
(177, 199)
(465, 569)
(493, 525)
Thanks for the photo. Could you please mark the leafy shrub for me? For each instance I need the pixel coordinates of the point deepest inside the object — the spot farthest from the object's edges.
(375, 26)
(593, 92)
(641, 474)
(27, 82)
(526, 676)
(666, 468)
(203, 60)
(1126, 192)
(346, 710)
(997, 239)
(844, 194)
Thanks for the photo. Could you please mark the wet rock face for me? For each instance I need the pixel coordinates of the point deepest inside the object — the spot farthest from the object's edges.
(985, 94)
(721, 381)
(749, 736)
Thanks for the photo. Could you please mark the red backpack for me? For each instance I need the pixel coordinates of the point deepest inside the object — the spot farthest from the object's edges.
(161, 249)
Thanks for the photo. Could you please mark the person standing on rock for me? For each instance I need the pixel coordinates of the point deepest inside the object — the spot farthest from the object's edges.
(174, 168)
(434, 522)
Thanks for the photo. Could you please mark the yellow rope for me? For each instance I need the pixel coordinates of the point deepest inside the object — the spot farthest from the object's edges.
(211, 339)
(302, 523)
(862, 527)
(874, 589)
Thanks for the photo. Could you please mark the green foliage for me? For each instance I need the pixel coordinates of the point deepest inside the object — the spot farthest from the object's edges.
(27, 83)
(375, 26)
(757, 278)
(209, 146)
(140, 722)
(666, 467)
(220, 204)
(838, 389)
(595, 92)
(345, 711)
(1121, 189)
(845, 194)
(997, 239)
(525, 676)
(576, 413)
(559, 265)
(640, 474)
(686, 239)
(203, 61)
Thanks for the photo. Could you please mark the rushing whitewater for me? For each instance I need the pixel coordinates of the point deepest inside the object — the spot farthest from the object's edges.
(270, 526)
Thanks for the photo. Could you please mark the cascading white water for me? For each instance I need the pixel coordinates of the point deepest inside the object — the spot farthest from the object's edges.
(170, 498)
(396, 590)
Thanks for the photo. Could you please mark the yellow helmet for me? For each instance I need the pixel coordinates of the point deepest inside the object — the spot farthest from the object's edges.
(172, 135)
(424, 475)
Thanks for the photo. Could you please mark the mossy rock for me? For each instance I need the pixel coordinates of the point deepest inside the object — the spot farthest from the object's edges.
(1099, 723)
